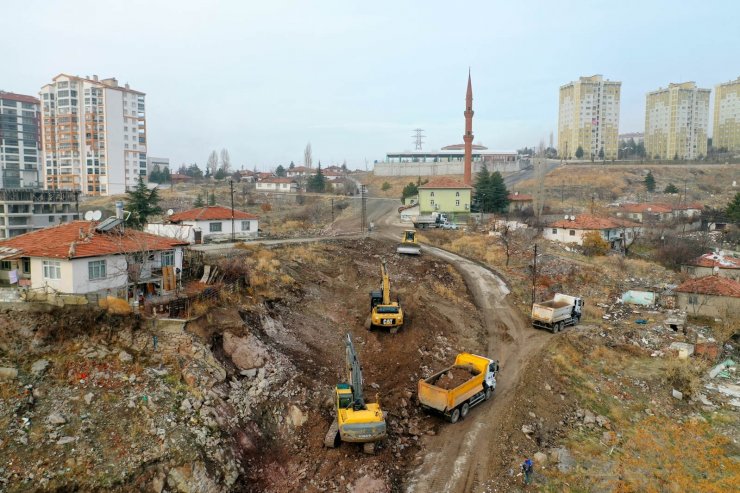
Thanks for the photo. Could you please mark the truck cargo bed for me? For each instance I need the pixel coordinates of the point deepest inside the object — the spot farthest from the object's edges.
(453, 377)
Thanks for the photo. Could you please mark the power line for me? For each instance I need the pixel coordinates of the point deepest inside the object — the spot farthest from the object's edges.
(418, 138)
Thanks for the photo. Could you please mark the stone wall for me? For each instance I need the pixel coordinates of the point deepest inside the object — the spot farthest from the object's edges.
(435, 169)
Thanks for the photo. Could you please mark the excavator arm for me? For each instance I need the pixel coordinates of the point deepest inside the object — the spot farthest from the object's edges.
(386, 285)
(355, 374)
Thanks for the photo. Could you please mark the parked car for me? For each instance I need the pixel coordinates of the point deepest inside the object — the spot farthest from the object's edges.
(450, 226)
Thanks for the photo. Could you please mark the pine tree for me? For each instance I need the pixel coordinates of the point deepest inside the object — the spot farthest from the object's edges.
(579, 152)
(212, 199)
(199, 201)
(165, 176)
(317, 182)
(409, 191)
(499, 193)
(280, 171)
(156, 175)
(142, 203)
(650, 182)
(220, 174)
(292, 165)
(671, 188)
(482, 189)
(733, 209)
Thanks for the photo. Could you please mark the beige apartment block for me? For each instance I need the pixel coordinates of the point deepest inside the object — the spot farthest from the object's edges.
(727, 116)
(93, 135)
(676, 122)
(589, 118)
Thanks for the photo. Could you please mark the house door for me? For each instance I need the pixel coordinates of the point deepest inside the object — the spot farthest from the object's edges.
(198, 237)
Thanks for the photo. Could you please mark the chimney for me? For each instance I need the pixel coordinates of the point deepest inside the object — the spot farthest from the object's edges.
(127, 86)
(119, 209)
(95, 78)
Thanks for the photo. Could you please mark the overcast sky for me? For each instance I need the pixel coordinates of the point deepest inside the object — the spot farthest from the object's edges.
(263, 78)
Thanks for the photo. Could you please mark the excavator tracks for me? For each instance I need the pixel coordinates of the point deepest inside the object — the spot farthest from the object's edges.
(331, 440)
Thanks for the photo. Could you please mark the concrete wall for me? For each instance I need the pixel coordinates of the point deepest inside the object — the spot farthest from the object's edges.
(180, 231)
(696, 271)
(433, 169)
(723, 307)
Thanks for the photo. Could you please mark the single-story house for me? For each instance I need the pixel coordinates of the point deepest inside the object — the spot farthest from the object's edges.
(619, 233)
(713, 264)
(207, 224)
(176, 178)
(300, 171)
(286, 185)
(712, 296)
(445, 195)
(82, 257)
(520, 201)
(332, 175)
(644, 212)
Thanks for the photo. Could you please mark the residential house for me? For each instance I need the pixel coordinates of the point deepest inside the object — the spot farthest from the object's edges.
(659, 212)
(711, 296)
(285, 185)
(207, 224)
(619, 233)
(246, 176)
(520, 201)
(299, 171)
(176, 178)
(83, 257)
(332, 175)
(713, 264)
(445, 195)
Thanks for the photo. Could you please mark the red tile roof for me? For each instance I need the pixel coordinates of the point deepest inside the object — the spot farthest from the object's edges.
(513, 197)
(18, 97)
(444, 182)
(712, 285)
(714, 260)
(277, 180)
(209, 213)
(79, 239)
(656, 208)
(587, 221)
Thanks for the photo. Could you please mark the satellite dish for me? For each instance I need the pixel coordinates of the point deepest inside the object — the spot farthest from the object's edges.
(170, 212)
(89, 216)
(567, 217)
(97, 215)
(572, 218)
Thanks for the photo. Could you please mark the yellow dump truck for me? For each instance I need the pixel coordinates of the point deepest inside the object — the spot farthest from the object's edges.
(454, 390)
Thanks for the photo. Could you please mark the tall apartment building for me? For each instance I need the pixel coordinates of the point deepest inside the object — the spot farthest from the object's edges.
(94, 135)
(23, 210)
(589, 118)
(19, 140)
(676, 122)
(727, 116)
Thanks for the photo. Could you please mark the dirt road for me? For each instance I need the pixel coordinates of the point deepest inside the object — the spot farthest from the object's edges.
(466, 457)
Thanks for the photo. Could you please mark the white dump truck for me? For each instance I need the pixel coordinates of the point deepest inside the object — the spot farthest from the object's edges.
(433, 220)
(559, 312)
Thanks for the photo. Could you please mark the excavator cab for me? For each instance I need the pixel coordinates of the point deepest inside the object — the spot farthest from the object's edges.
(384, 312)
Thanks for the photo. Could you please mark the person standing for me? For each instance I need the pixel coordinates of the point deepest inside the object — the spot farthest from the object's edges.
(527, 470)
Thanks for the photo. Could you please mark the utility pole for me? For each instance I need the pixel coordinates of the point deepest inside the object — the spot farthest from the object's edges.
(332, 209)
(534, 273)
(363, 219)
(231, 186)
(592, 204)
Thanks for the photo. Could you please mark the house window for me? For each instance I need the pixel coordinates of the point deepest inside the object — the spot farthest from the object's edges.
(431, 202)
(96, 270)
(214, 227)
(554, 231)
(457, 194)
(693, 299)
(5, 265)
(431, 194)
(168, 258)
(52, 269)
(26, 265)
(572, 232)
(457, 203)
(246, 225)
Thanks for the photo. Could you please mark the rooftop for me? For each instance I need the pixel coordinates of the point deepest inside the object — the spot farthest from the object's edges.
(711, 285)
(209, 213)
(18, 97)
(716, 260)
(79, 239)
(587, 221)
(444, 182)
(276, 180)
(656, 207)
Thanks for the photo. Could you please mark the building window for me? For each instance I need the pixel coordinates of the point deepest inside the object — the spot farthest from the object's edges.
(96, 270)
(168, 258)
(554, 231)
(52, 269)
(5, 265)
(693, 299)
(457, 203)
(26, 265)
(431, 202)
(572, 232)
(457, 194)
(214, 227)
(431, 194)
(246, 225)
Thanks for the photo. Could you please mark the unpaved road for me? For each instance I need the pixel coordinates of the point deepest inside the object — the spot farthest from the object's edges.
(464, 457)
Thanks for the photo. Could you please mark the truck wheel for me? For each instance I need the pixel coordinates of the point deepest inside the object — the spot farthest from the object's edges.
(455, 415)
(489, 392)
(464, 410)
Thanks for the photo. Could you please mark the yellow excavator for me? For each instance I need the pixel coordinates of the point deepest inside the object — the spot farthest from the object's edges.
(383, 312)
(357, 421)
(409, 245)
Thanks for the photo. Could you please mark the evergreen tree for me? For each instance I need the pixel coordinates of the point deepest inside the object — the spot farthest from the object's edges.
(601, 153)
(220, 174)
(317, 182)
(733, 209)
(579, 152)
(482, 190)
(156, 175)
(292, 165)
(280, 171)
(142, 203)
(199, 201)
(194, 171)
(166, 177)
(212, 199)
(671, 188)
(499, 193)
(650, 182)
(409, 191)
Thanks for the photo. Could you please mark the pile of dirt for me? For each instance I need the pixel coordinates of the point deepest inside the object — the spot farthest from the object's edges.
(455, 376)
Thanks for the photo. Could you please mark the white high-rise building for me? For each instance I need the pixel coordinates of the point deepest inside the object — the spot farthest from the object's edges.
(93, 135)
(589, 118)
(19, 140)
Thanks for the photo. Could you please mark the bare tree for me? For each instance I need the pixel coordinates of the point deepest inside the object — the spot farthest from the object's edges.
(225, 160)
(307, 156)
(212, 163)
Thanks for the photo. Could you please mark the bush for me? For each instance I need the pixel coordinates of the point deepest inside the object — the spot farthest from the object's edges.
(594, 244)
(684, 376)
(386, 186)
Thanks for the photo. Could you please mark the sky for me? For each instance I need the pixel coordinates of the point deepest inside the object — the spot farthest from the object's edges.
(264, 78)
